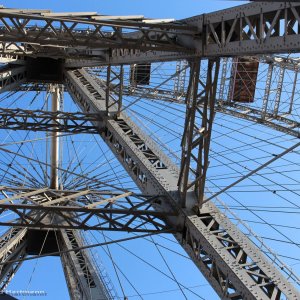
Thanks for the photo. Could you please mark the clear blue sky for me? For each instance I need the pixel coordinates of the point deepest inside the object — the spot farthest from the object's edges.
(155, 8)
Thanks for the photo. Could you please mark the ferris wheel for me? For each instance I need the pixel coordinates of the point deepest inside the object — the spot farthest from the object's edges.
(136, 152)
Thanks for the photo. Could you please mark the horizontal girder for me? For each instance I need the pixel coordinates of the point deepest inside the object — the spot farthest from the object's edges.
(38, 120)
(87, 210)
(286, 121)
(254, 28)
(279, 123)
(18, 119)
(73, 35)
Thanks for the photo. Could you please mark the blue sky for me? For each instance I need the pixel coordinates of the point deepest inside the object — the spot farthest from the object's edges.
(155, 8)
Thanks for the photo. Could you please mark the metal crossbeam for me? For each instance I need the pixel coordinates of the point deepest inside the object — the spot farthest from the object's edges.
(279, 123)
(109, 219)
(38, 120)
(259, 116)
(284, 121)
(254, 28)
(72, 33)
(74, 210)
(227, 258)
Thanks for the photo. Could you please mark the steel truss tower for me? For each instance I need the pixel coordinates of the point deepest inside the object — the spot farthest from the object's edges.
(172, 198)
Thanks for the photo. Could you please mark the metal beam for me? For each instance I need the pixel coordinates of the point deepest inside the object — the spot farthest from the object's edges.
(61, 31)
(84, 282)
(84, 279)
(281, 121)
(227, 258)
(38, 120)
(114, 88)
(254, 28)
(87, 210)
(55, 91)
(197, 130)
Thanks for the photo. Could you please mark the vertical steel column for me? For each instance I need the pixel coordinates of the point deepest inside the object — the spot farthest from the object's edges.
(208, 113)
(232, 79)
(107, 91)
(196, 137)
(186, 145)
(81, 276)
(114, 89)
(55, 92)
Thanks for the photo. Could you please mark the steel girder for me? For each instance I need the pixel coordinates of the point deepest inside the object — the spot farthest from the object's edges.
(82, 278)
(18, 119)
(114, 88)
(197, 130)
(270, 116)
(128, 220)
(69, 122)
(72, 35)
(244, 30)
(254, 28)
(38, 120)
(280, 122)
(232, 264)
(238, 31)
(87, 210)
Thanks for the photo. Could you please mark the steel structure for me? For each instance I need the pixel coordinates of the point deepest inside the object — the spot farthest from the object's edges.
(173, 199)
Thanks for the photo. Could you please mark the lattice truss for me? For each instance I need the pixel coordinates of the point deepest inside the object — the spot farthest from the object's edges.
(156, 133)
